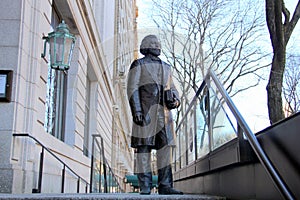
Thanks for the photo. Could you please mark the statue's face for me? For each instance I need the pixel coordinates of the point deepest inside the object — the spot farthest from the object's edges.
(150, 45)
(154, 43)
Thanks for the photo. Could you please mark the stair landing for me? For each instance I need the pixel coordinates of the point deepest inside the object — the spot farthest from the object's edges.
(110, 196)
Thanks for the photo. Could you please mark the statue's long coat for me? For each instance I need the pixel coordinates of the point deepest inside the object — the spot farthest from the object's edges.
(147, 79)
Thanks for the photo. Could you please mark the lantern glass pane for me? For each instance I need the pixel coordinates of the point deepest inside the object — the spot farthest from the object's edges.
(59, 50)
(68, 46)
(52, 50)
(56, 50)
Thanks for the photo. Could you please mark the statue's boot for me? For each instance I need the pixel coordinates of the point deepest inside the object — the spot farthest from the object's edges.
(165, 181)
(144, 172)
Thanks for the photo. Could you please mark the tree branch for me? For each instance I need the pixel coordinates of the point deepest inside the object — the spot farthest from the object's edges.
(291, 25)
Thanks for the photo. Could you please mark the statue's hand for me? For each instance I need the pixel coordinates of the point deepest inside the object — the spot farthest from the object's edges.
(138, 118)
(174, 104)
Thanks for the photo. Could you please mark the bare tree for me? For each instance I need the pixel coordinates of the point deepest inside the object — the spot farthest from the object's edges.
(217, 34)
(291, 85)
(280, 27)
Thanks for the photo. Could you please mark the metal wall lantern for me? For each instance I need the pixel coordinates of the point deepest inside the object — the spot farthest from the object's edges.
(61, 43)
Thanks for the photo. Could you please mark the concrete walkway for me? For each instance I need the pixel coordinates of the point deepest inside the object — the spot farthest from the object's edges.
(102, 196)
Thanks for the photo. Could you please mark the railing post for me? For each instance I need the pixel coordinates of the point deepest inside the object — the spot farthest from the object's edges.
(78, 184)
(41, 171)
(195, 130)
(209, 120)
(104, 166)
(186, 151)
(105, 178)
(92, 164)
(99, 177)
(179, 152)
(63, 179)
(240, 132)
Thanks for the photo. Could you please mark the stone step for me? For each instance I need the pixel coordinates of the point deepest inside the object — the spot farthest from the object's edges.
(110, 196)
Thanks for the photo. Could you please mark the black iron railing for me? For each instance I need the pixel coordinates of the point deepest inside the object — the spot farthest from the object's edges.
(102, 177)
(41, 167)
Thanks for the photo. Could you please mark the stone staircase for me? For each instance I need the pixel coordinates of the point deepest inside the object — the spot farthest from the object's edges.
(110, 196)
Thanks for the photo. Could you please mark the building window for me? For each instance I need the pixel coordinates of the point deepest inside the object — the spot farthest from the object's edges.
(56, 94)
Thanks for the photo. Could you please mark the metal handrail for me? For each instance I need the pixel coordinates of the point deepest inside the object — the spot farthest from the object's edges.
(57, 158)
(106, 166)
(92, 162)
(277, 180)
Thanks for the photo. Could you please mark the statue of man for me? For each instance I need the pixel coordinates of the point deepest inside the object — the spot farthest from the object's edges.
(152, 94)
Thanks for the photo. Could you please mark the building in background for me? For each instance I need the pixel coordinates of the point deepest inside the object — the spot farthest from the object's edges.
(77, 118)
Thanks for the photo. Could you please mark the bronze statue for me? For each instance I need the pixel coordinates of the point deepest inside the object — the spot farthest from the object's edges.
(152, 94)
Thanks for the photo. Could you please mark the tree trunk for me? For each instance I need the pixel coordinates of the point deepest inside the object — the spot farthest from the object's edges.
(274, 88)
(280, 33)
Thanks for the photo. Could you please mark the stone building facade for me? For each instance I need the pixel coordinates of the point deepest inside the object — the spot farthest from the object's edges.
(66, 112)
